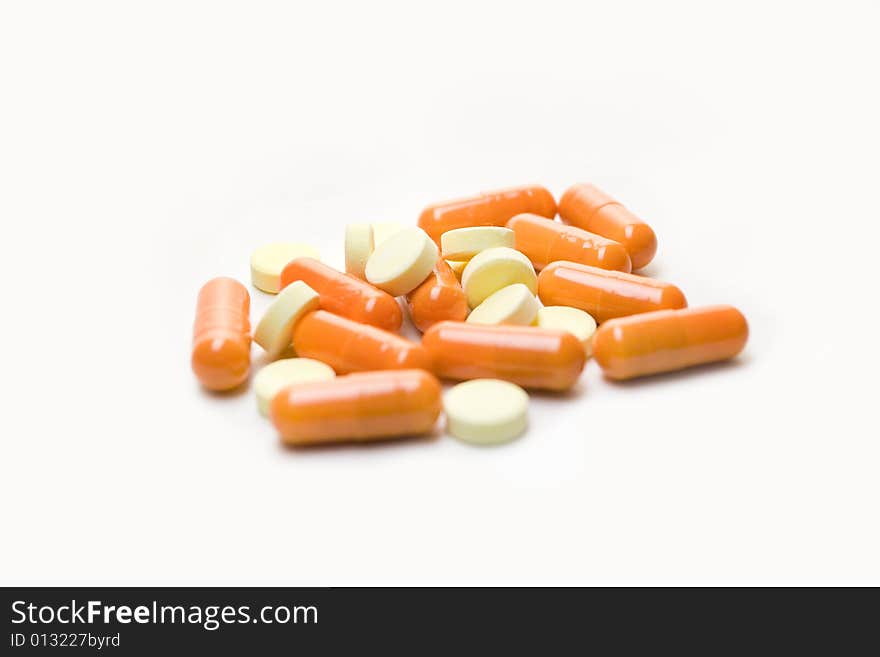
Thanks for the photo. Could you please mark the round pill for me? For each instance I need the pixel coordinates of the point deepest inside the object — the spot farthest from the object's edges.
(486, 411)
(493, 269)
(276, 327)
(402, 262)
(465, 243)
(382, 230)
(274, 377)
(514, 304)
(358, 248)
(573, 320)
(268, 261)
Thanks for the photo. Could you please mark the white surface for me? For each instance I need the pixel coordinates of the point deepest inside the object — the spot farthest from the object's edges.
(486, 411)
(165, 141)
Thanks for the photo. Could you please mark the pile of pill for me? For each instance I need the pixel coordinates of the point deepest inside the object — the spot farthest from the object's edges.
(506, 296)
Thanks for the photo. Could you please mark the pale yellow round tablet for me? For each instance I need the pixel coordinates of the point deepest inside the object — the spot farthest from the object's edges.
(382, 230)
(268, 261)
(486, 411)
(457, 267)
(358, 248)
(402, 262)
(274, 377)
(465, 243)
(276, 327)
(514, 304)
(492, 269)
(574, 320)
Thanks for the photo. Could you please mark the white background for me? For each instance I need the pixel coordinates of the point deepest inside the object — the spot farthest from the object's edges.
(147, 147)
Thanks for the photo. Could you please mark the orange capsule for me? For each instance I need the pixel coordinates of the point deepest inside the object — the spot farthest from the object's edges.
(605, 294)
(669, 340)
(525, 355)
(349, 346)
(486, 209)
(585, 206)
(344, 294)
(221, 349)
(544, 241)
(439, 297)
(358, 407)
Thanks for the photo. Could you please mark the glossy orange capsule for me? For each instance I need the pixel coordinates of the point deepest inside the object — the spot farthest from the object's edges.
(544, 241)
(221, 348)
(344, 294)
(605, 294)
(486, 209)
(525, 355)
(349, 346)
(358, 407)
(669, 340)
(586, 206)
(440, 297)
